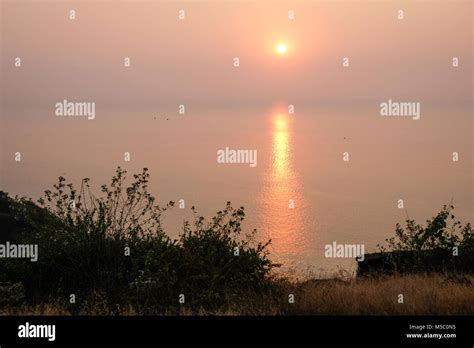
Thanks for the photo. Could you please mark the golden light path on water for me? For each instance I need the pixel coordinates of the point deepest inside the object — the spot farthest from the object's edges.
(280, 148)
(281, 222)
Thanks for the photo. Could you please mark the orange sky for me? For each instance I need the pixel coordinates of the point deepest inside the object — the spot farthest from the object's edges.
(186, 60)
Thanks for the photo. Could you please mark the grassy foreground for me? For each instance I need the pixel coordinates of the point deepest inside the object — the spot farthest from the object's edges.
(422, 295)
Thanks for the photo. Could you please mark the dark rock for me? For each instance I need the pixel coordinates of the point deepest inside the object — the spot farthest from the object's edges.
(421, 261)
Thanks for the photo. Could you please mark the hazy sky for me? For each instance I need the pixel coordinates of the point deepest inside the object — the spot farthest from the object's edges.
(192, 60)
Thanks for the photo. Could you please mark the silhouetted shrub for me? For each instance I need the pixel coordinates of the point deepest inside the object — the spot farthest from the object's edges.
(11, 294)
(113, 247)
(444, 245)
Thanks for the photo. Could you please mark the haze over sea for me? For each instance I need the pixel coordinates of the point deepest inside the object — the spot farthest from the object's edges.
(334, 61)
(300, 158)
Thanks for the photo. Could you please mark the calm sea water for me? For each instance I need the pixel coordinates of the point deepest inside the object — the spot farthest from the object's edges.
(300, 158)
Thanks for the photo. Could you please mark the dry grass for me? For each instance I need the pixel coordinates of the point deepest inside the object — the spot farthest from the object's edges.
(422, 294)
(44, 309)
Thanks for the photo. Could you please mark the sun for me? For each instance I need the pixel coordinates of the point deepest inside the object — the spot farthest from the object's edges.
(281, 48)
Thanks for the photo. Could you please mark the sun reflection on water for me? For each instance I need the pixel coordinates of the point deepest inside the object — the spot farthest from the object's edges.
(280, 148)
(281, 222)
